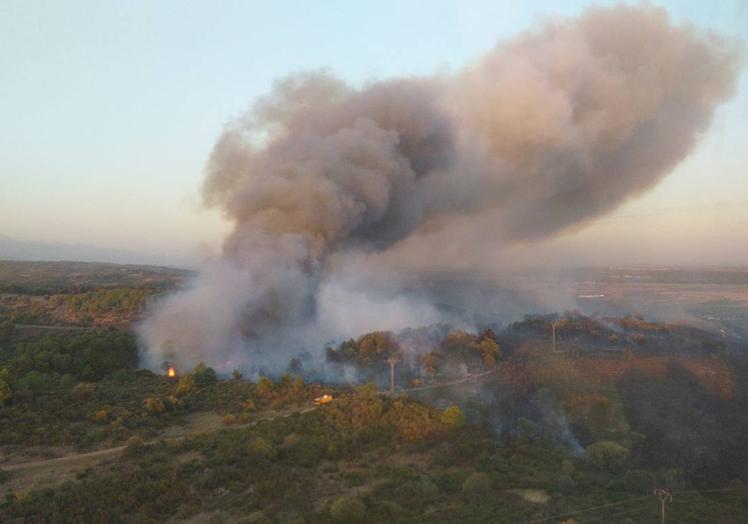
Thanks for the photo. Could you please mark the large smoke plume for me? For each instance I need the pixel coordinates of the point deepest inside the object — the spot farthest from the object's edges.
(544, 133)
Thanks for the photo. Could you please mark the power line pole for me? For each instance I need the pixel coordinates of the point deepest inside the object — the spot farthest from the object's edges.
(553, 336)
(392, 361)
(664, 496)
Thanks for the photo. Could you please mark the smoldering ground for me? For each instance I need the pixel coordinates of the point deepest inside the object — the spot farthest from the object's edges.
(542, 134)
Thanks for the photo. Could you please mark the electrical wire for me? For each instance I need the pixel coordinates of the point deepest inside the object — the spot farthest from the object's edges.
(585, 510)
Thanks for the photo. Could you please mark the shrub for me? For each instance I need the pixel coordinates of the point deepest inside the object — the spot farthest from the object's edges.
(423, 488)
(135, 446)
(390, 508)
(101, 416)
(566, 484)
(369, 389)
(736, 484)
(348, 509)
(22, 496)
(413, 421)
(477, 484)
(525, 428)
(83, 391)
(453, 417)
(259, 448)
(639, 480)
(606, 454)
(122, 376)
(4, 391)
(154, 406)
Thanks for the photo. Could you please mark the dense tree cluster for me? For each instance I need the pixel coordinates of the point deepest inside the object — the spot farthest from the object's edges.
(367, 415)
(123, 301)
(368, 351)
(474, 352)
(457, 352)
(88, 356)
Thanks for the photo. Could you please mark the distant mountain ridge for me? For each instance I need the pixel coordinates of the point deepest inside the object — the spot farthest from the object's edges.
(12, 249)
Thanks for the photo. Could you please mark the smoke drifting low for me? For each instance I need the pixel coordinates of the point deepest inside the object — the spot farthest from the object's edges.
(544, 133)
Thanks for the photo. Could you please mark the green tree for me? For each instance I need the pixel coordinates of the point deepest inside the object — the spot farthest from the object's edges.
(430, 362)
(525, 428)
(488, 347)
(185, 386)
(203, 375)
(475, 351)
(35, 383)
(265, 387)
(453, 417)
(606, 454)
(376, 347)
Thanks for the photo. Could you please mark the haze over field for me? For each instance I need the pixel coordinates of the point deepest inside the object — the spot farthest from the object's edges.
(327, 186)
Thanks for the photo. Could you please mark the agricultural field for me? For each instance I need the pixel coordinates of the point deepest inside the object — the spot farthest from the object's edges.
(80, 294)
(40, 278)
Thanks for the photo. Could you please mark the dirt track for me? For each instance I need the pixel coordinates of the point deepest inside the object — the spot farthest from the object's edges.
(463, 380)
(206, 422)
(78, 457)
(39, 474)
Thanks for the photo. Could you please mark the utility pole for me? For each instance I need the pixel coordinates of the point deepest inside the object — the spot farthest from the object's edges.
(553, 336)
(664, 496)
(392, 361)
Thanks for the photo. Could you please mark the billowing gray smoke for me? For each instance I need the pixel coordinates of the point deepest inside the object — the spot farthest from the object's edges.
(541, 134)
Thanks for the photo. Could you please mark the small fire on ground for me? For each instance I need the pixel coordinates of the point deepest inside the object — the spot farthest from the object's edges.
(171, 372)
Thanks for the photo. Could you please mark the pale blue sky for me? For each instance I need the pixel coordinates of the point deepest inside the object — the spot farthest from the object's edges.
(109, 109)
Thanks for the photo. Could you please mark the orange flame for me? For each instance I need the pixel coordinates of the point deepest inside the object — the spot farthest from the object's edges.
(171, 372)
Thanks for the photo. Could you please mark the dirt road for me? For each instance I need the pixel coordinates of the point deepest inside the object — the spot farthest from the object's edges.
(40, 474)
(77, 457)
